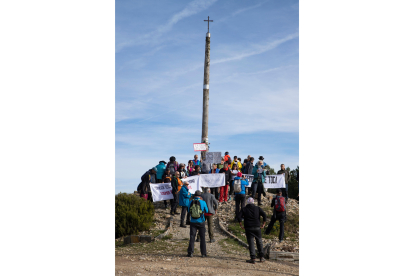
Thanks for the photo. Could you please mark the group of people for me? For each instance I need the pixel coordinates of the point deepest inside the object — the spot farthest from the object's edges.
(204, 204)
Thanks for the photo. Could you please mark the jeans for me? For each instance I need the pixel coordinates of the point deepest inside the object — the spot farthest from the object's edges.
(193, 231)
(239, 199)
(183, 211)
(254, 189)
(251, 235)
(281, 217)
(231, 188)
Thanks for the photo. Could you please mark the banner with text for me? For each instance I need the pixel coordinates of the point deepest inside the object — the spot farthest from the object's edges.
(212, 180)
(271, 181)
(161, 191)
(193, 183)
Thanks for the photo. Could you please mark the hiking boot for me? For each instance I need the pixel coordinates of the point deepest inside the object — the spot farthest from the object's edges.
(203, 256)
(176, 213)
(171, 213)
(190, 255)
(262, 260)
(183, 226)
(212, 240)
(197, 240)
(187, 223)
(252, 261)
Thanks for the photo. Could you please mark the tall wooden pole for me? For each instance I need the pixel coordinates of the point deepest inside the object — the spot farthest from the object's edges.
(206, 90)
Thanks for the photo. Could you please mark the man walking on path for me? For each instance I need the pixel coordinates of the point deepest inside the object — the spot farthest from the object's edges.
(197, 208)
(279, 213)
(240, 196)
(251, 215)
(212, 206)
(287, 177)
(224, 189)
(184, 201)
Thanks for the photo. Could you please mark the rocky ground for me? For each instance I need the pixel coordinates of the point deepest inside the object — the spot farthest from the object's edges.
(225, 256)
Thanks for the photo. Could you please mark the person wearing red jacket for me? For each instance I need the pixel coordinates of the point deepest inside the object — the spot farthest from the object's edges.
(224, 189)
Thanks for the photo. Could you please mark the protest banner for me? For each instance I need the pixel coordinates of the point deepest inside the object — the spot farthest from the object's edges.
(271, 181)
(200, 147)
(193, 183)
(213, 157)
(162, 191)
(212, 180)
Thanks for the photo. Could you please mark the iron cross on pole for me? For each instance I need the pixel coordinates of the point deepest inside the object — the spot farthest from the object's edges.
(208, 23)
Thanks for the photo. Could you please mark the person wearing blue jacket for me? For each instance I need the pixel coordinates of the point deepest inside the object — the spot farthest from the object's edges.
(160, 171)
(184, 202)
(259, 178)
(241, 196)
(197, 224)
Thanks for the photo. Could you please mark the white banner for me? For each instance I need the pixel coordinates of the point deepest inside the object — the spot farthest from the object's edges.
(162, 191)
(271, 181)
(193, 183)
(212, 180)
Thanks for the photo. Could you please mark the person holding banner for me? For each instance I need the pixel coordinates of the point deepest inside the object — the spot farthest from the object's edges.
(184, 202)
(166, 178)
(224, 189)
(175, 184)
(259, 179)
(287, 177)
(216, 190)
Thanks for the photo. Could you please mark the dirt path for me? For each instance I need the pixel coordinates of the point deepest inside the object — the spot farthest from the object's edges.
(168, 257)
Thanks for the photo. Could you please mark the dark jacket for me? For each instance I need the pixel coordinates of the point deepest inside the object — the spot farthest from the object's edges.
(272, 204)
(174, 184)
(166, 178)
(251, 214)
(145, 181)
(195, 173)
(228, 175)
(205, 167)
(287, 175)
(248, 168)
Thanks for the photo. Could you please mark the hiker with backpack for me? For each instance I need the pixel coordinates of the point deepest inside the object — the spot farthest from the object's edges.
(240, 191)
(184, 201)
(287, 177)
(160, 170)
(212, 206)
(197, 208)
(227, 158)
(224, 189)
(279, 213)
(172, 165)
(251, 215)
(144, 187)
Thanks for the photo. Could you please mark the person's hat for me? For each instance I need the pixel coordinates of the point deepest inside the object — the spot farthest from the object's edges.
(198, 193)
(261, 157)
(250, 200)
(239, 174)
(226, 153)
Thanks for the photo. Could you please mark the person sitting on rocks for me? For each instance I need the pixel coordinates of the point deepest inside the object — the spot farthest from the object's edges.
(251, 215)
(197, 208)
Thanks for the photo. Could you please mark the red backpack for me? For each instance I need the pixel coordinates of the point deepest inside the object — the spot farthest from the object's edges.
(280, 205)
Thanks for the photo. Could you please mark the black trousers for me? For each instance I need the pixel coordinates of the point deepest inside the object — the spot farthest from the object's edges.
(281, 217)
(240, 200)
(183, 212)
(254, 189)
(201, 228)
(285, 193)
(216, 192)
(173, 202)
(260, 191)
(231, 188)
(251, 235)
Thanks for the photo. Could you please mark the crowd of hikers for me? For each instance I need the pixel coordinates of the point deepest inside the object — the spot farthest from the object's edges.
(203, 205)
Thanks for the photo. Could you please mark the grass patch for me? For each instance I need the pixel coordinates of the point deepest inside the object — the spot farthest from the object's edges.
(230, 245)
(167, 237)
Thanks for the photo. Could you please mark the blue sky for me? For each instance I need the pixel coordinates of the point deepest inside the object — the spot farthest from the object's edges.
(254, 82)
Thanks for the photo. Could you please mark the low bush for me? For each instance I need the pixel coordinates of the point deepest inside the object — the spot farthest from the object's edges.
(132, 214)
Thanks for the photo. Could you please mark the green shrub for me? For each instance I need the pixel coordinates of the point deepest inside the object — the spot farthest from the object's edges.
(132, 214)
